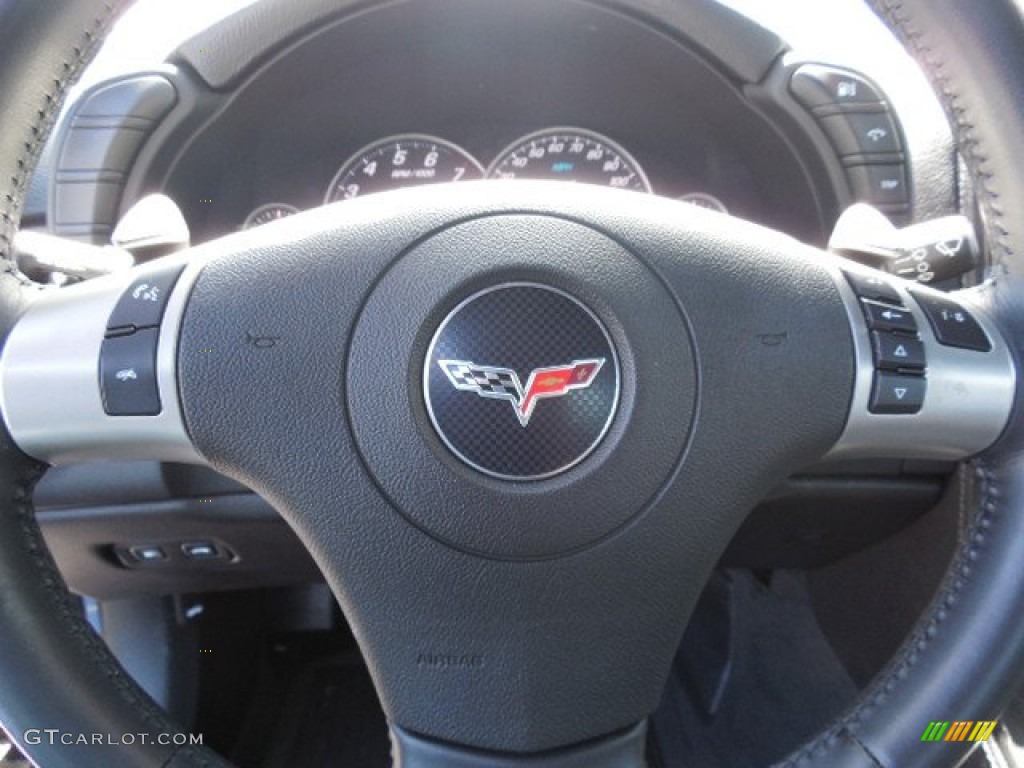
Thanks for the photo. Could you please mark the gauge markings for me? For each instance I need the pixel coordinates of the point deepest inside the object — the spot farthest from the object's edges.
(402, 161)
(570, 154)
(268, 213)
(705, 200)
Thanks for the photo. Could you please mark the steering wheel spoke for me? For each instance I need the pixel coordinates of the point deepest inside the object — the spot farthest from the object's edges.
(89, 371)
(934, 379)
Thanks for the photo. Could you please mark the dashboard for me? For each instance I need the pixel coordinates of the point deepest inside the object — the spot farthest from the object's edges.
(285, 113)
(485, 89)
(281, 109)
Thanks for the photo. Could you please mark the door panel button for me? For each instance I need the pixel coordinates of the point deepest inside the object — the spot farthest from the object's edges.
(895, 353)
(953, 325)
(895, 393)
(128, 374)
(882, 317)
(201, 550)
(148, 553)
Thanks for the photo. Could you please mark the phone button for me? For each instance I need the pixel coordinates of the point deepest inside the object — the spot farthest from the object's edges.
(862, 133)
(142, 304)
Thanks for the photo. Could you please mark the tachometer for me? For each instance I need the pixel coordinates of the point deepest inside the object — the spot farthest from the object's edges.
(402, 161)
(570, 154)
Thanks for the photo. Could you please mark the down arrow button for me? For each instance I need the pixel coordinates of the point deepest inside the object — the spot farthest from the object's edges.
(895, 394)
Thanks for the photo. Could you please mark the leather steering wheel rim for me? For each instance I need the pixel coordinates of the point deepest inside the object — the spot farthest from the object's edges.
(963, 659)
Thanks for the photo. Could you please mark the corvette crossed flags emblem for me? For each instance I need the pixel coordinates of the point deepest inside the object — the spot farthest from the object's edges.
(504, 384)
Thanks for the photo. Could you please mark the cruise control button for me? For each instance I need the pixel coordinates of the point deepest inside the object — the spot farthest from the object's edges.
(894, 353)
(855, 133)
(128, 374)
(871, 287)
(142, 304)
(894, 393)
(953, 325)
(816, 85)
(882, 317)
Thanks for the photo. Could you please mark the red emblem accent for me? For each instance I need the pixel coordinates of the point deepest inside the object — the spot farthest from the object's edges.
(503, 383)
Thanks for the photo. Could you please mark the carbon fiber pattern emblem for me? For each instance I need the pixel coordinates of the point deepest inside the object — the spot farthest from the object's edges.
(521, 381)
(503, 384)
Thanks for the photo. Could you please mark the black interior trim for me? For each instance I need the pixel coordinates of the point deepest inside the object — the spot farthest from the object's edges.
(228, 51)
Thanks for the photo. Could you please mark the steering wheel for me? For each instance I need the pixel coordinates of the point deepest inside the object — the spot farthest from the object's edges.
(515, 424)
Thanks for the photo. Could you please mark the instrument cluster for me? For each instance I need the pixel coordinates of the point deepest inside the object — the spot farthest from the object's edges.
(412, 159)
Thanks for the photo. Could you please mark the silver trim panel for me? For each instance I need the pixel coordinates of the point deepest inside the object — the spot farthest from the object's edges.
(49, 377)
(968, 399)
(49, 384)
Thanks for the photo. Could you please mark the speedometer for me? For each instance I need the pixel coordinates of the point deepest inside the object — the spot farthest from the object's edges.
(570, 154)
(402, 161)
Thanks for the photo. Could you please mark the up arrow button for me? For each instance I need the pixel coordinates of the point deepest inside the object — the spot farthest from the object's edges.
(897, 353)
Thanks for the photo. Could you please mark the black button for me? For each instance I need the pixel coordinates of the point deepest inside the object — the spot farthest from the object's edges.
(895, 353)
(142, 304)
(855, 133)
(815, 85)
(880, 184)
(148, 554)
(201, 550)
(882, 317)
(128, 374)
(871, 287)
(894, 393)
(953, 325)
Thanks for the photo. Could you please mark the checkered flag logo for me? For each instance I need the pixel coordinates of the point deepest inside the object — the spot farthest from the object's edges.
(504, 384)
(500, 383)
